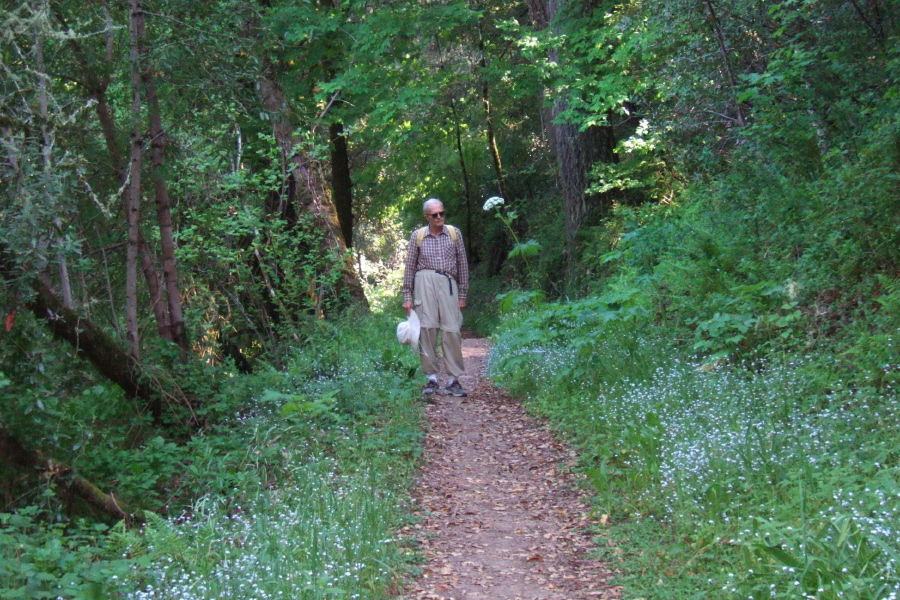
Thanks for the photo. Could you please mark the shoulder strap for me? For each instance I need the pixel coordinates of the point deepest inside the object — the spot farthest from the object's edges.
(420, 234)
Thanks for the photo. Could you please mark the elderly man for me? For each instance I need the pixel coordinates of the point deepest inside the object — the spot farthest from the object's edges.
(435, 283)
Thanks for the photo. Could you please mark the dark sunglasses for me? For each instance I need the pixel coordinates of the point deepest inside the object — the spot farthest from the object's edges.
(437, 214)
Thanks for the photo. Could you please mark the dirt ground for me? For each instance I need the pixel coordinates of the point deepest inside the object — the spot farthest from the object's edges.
(501, 516)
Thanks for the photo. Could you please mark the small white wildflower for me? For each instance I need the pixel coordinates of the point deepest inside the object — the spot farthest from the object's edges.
(493, 202)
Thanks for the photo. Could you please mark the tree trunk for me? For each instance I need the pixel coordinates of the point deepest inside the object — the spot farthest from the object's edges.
(132, 196)
(576, 151)
(157, 302)
(312, 192)
(15, 455)
(96, 85)
(341, 182)
(721, 39)
(101, 350)
(160, 188)
(489, 117)
(465, 176)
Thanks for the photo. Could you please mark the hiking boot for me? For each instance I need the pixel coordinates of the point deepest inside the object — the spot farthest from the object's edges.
(430, 388)
(455, 389)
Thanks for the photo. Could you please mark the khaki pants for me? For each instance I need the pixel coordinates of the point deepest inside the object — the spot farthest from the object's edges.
(436, 299)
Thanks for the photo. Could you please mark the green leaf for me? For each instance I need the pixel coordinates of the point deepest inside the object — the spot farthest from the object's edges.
(530, 248)
(782, 556)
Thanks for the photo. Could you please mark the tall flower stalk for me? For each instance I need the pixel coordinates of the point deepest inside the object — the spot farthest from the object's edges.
(523, 249)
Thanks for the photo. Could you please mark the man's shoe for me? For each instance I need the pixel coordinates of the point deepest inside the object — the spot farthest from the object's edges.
(456, 389)
(430, 388)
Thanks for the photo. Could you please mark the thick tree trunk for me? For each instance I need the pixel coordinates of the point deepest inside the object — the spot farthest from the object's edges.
(576, 151)
(341, 181)
(311, 189)
(15, 455)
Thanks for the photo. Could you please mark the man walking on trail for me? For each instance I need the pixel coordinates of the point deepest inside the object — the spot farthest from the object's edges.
(435, 283)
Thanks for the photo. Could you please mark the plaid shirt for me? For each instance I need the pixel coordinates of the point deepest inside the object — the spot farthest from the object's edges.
(438, 253)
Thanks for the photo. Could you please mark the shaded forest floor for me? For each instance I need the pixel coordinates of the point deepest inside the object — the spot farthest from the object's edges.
(501, 515)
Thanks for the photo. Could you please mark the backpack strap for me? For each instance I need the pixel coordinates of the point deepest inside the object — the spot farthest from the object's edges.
(421, 232)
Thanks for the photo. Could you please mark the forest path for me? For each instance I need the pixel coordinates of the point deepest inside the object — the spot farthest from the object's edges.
(500, 517)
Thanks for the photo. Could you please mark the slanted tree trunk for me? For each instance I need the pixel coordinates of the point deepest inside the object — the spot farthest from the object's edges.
(310, 187)
(341, 181)
(15, 455)
(720, 37)
(102, 351)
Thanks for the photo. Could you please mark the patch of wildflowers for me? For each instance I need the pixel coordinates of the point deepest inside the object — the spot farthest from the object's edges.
(723, 453)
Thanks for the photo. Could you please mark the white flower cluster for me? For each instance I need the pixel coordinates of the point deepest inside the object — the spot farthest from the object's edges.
(493, 202)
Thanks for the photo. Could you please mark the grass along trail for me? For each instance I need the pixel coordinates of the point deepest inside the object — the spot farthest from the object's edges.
(501, 517)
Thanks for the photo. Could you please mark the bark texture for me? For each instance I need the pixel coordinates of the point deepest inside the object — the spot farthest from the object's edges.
(132, 196)
(576, 151)
(341, 182)
(178, 333)
(100, 349)
(309, 187)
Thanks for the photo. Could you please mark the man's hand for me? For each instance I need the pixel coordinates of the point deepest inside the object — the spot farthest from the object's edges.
(462, 304)
(407, 306)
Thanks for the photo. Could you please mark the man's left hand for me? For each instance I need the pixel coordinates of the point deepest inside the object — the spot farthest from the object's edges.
(462, 304)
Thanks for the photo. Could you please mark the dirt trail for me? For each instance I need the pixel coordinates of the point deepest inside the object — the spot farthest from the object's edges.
(500, 518)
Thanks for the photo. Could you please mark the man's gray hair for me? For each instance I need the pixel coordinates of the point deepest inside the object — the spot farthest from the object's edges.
(430, 201)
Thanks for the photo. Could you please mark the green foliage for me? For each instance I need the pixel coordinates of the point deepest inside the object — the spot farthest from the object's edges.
(525, 250)
(320, 535)
(754, 478)
(753, 218)
(43, 560)
(310, 436)
(759, 326)
(836, 558)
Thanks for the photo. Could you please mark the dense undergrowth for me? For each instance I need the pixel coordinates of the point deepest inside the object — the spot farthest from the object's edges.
(290, 491)
(718, 478)
(730, 366)
(732, 385)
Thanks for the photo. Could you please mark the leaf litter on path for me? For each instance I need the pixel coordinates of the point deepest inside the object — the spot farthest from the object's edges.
(500, 516)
